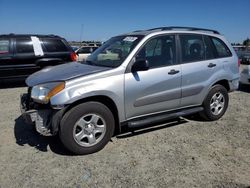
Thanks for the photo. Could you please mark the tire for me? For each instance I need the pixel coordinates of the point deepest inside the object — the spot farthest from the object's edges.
(215, 104)
(87, 128)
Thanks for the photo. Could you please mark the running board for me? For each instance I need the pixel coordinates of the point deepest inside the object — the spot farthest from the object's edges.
(142, 122)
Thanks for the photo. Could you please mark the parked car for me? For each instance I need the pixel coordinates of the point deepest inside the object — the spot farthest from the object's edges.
(84, 51)
(245, 68)
(74, 48)
(94, 44)
(158, 74)
(22, 55)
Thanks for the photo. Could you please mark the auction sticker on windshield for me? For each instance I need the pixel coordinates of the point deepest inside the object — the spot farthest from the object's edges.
(130, 39)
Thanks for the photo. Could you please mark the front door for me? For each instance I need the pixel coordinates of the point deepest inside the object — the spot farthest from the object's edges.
(159, 88)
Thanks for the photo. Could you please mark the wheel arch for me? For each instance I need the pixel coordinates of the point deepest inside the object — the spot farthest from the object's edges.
(224, 83)
(107, 101)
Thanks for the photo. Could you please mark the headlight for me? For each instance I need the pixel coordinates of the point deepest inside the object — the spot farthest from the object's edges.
(42, 93)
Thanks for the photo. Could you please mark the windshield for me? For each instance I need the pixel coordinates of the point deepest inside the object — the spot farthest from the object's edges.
(113, 52)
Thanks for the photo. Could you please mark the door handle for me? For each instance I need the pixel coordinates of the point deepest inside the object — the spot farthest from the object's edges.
(173, 71)
(211, 65)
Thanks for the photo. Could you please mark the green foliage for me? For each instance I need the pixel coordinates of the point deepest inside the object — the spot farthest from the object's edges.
(246, 42)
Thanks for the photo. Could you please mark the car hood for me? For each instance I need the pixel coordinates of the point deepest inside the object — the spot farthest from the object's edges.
(62, 73)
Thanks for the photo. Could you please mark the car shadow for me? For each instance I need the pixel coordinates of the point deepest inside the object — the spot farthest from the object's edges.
(26, 134)
(6, 84)
(244, 88)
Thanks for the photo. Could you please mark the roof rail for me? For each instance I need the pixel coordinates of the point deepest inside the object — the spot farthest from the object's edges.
(183, 28)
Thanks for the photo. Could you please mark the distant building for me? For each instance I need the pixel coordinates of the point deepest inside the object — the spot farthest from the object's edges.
(240, 47)
(85, 43)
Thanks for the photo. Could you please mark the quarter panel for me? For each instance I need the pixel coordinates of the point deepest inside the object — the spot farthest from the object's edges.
(194, 80)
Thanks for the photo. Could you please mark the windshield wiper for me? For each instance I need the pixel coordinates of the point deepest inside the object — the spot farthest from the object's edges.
(89, 62)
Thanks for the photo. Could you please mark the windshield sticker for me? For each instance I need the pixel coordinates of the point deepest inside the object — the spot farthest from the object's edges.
(130, 39)
(37, 46)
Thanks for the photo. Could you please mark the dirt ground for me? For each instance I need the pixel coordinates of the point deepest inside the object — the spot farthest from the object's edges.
(189, 153)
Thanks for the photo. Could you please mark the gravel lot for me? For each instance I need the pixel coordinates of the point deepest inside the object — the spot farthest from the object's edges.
(191, 153)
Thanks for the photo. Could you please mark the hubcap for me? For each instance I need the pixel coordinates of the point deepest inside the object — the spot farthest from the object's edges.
(89, 130)
(217, 103)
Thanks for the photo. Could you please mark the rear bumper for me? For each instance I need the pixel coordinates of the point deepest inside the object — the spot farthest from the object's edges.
(46, 121)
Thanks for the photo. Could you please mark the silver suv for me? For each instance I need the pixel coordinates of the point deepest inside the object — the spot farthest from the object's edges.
(133, 80)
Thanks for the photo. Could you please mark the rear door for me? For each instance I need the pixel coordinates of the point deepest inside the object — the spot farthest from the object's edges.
(24, 56)
(159, 88)
(198, 67)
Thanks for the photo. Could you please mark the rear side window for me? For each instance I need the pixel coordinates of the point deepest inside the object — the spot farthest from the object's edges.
(24, 45)
(221, 49)
(54, 45)
(4, 46)
(192, 48)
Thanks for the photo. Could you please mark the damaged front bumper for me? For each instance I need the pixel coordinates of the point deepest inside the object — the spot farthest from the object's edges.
(46, 120)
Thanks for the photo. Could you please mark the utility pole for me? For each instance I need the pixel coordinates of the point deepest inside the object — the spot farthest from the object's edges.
(81, 33)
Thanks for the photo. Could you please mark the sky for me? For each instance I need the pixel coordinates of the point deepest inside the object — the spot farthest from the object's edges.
(100, 20)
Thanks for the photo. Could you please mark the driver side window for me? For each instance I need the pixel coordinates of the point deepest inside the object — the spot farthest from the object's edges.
(159, 51)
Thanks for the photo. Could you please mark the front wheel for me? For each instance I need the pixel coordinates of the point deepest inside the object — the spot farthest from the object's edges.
(216, 103)
(87, 128)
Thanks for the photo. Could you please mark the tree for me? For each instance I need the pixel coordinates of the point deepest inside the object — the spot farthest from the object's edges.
(246, 42)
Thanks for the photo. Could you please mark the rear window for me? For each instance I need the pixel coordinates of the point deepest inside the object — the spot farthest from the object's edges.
(54, 45)
(24, 45)
(4, 46)
(221, 48)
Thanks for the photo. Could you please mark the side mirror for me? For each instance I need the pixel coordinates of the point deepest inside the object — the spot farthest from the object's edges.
(140, 65)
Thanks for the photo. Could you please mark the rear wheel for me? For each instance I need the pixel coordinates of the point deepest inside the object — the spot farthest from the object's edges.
(87, 128)
(216, 103)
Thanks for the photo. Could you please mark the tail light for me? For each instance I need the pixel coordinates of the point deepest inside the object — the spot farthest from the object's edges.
(73, 56)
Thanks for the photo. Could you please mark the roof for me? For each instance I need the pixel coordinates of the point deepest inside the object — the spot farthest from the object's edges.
(28, 35)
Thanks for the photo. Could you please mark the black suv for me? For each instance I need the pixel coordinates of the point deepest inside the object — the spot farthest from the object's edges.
(22, 55)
